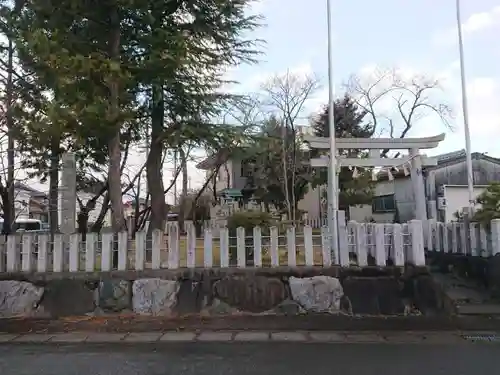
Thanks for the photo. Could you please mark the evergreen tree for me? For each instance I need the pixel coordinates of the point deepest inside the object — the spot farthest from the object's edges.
(348, 118)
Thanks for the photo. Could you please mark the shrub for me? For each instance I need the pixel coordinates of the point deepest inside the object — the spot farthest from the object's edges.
(490, 205)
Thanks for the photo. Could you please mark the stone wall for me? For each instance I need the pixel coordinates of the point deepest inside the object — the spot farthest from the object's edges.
(208, 292)
(483, 270)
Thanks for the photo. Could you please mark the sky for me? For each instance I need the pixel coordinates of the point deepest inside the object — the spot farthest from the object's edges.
(416, 37)
(413, 36)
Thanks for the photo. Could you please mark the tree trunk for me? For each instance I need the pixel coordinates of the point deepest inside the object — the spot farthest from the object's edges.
(154, 161)
(114, 176)
(97, 226)
(54, 185)
(83, 223)
(182, 201)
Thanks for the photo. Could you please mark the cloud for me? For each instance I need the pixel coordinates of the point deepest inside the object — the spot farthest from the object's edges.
(483, 96)
(257, 6)
(477, 22)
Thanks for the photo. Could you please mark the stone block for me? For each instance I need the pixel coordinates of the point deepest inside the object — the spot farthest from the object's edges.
(288, 307)
(251, 293)
(374, 295)
(19, 298)
(288, 336)
(115, 295)
(317, 293)
(143, 337)
(69, 337)
(364, 338)
(36, 337)
(219, 307)
(215, 336)
(427, 297)
(251, 336)
(68, 298)
(327, 336)
(178, 336)
(494, 275)
(105, 337)
(154, 296)
(7, 337)
(192, 297)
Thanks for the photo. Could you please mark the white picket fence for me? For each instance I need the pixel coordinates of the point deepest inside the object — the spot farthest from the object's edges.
(360, 244)
(463, 238)
(313, 222)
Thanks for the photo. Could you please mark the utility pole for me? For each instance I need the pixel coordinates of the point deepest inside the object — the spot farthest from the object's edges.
(332, 170)
(465, 109)
(174, 178)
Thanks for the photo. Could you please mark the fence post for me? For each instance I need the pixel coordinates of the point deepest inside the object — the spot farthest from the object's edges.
(74, 252)
(454, 238)
(224, 247)
(27, 252)
(241, 259)
(257, 247)
(361, 248)
(274, 242)
(397, 244)
(140, 250)
(495, 237)
(190, 245)
(379, 236)
(308, 246)
(173, 246)
(43, 246)
(483, 239)
(208, 259)
(12, 254)
(343, 242)
(417, 251)
(325, 247)
(290, 245)
(156, 245)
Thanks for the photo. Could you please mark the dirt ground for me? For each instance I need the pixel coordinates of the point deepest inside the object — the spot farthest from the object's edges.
(311, 322)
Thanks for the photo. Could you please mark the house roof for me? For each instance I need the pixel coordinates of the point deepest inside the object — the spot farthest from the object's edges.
(443, 160)
(32, 191)
(211, 161)
(451, 158)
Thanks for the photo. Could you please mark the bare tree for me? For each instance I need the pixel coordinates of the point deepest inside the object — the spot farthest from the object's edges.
(287, 96)
(395, 103)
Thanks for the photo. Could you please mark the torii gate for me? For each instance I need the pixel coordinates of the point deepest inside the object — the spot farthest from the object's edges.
(375, 145)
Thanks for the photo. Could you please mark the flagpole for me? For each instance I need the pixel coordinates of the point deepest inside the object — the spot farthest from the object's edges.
(465, 109)
(332, 170)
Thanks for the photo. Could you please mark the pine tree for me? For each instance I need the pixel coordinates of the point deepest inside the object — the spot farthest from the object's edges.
(348, 118)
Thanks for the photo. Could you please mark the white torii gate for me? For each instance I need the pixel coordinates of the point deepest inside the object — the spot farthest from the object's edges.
(375, 145)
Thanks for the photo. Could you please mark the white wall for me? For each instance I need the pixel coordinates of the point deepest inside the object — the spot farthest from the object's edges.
(457, 197)
(364, 213)
(311, 202)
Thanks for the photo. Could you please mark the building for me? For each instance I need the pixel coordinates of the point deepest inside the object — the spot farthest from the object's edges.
(232, 182)
(445, 189)
(30, 203)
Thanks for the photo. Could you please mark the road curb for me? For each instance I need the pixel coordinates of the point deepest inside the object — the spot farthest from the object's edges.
(251, 336)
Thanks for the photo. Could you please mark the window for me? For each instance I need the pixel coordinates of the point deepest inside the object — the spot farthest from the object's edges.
(247, 167)
(384, 203)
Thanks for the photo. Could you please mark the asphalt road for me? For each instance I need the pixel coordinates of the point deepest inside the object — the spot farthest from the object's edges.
(248, 358)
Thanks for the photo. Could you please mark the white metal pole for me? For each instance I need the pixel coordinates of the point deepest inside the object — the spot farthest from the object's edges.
(332, 172)
(465, 109)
